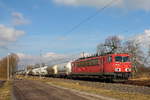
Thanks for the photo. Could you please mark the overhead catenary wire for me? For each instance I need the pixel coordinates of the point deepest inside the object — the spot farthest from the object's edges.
(90, 17)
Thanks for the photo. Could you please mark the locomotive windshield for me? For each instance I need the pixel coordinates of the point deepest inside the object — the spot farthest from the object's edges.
(126, 59)
(118, 59)
(122, 59)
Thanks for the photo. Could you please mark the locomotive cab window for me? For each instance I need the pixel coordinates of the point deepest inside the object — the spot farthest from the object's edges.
(122, 59)
(126, 59)
(118, 58)
(109, 59)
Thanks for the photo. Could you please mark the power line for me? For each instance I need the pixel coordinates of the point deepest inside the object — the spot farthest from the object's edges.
(90, 17)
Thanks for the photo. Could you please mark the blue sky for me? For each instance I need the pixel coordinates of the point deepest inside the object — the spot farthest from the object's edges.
(44, 24)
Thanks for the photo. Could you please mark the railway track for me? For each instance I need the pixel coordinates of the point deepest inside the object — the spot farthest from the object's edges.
(138, 82)
(127, 82)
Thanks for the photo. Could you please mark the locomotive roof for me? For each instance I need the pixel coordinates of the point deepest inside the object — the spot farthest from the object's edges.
(96, 56)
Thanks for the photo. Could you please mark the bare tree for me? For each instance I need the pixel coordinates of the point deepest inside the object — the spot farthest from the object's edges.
(136, 53)
(13, 62)
(101, 49)
(147, 56)
(112, 45)
(3, 68)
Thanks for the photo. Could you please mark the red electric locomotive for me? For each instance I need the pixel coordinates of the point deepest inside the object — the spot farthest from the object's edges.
(112, 66)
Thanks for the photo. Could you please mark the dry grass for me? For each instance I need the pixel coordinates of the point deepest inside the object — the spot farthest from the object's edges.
(5, 91)
(142, 77)
(109, 93)
(100, 91)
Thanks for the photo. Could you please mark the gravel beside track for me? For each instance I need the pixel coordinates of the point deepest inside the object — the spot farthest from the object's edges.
(138, 82)
(111, 86)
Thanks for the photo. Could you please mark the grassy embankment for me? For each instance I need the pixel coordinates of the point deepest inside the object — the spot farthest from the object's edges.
(5, 91)
(100, 91)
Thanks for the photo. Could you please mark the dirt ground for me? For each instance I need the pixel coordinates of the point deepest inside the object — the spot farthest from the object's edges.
(1, 83)
(34, 90)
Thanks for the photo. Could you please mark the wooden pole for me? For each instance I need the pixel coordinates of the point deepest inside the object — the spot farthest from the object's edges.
(8, 66)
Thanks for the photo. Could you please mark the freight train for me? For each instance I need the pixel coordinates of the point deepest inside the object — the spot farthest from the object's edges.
(110, 66)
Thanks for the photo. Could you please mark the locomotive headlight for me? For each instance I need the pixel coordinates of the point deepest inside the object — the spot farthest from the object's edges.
(117, 69)
(128, 69)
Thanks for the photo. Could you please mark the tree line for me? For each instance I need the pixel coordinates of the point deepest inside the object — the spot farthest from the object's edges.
(12, 60)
